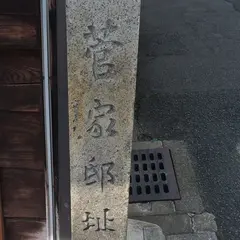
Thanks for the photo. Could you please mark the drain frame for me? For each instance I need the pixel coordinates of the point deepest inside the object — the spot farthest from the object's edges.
(152, 175)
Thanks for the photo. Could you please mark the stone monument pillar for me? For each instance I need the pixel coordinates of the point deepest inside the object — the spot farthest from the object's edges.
(102, 45)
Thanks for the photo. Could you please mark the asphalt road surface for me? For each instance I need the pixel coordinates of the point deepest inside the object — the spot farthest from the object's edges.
(189, 89)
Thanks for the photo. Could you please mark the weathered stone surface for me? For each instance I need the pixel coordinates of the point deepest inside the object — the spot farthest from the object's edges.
(170, 224)
(163, 207)
(139, 209)
(204, 222)
(139, 230)
(190, 197)
(199, 236)
(102, 44)
(151, 208)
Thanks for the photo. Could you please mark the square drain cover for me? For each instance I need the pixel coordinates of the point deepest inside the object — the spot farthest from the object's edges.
(152, 176)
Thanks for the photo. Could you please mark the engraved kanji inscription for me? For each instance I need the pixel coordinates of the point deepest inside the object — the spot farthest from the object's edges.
(100, 120)
(97, 223)
(100, 49)
(75, 110)
(75, 106)
(98, 173)
(89, 221)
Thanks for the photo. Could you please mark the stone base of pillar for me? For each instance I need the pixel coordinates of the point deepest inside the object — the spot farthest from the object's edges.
(139, 230)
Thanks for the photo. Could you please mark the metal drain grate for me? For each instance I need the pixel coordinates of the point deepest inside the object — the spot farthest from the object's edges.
(152, 176)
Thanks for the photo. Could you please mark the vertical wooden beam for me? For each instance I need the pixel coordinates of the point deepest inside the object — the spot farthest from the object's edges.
(62, 152)
(1, 216)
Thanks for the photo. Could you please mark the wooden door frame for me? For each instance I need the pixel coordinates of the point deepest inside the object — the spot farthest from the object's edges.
(2, 237)
(61, 135)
